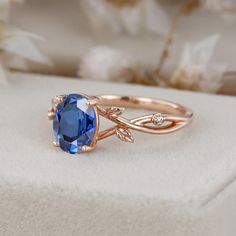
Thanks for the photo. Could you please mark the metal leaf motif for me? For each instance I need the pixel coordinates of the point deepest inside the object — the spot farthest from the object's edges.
(115, 111)
(124, 135)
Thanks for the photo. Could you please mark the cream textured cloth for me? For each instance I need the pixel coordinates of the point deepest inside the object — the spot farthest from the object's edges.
(181, 184)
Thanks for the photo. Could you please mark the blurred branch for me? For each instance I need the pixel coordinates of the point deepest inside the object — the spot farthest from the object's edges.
(229, 74)
(187, 8)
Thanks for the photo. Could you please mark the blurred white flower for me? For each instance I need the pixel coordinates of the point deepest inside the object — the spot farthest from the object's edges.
(14, 42)
(104, 63)
(226, 8)
(16, 46)
(195, 72)
(141, 16)
(21, 43)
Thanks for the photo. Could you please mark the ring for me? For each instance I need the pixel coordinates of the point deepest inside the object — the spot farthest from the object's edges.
(76, 119)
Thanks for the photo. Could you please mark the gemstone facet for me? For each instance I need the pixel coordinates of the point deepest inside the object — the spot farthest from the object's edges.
(75, 123)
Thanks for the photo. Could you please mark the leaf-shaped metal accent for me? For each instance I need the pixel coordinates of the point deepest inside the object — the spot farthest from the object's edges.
(115, 111)
(124, 135)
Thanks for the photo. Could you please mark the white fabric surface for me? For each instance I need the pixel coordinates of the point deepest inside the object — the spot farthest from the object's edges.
(173, 185)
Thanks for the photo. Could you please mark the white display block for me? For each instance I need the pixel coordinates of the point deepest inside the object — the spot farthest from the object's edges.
(180, 184)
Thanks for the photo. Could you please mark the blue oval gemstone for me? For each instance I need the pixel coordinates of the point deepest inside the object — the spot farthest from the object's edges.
(74, 123)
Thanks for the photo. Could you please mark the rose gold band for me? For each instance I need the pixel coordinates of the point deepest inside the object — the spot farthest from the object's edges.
(164, 117)
(171, 116)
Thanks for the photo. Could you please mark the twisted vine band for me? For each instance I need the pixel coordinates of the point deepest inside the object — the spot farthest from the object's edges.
(76, 119)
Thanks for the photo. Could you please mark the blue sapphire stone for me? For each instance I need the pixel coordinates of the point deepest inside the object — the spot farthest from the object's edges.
(74, 123)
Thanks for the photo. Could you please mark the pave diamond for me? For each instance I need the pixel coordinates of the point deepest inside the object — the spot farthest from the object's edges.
(74, 123)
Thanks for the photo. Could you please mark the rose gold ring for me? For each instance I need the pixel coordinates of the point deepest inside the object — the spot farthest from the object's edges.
(76, 119)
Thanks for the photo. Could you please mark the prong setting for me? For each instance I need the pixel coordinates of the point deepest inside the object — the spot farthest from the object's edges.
(55, 101)
(86, 148)
(50, 114)
(92, 100)
(55, 144)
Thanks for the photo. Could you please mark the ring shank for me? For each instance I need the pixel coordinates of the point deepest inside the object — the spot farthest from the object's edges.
(145, 103)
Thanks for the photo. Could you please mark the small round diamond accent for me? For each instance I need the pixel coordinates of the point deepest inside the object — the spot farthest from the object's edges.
(158, 119)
